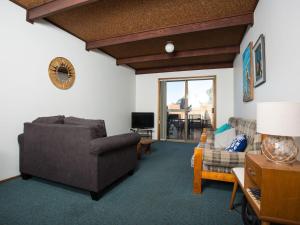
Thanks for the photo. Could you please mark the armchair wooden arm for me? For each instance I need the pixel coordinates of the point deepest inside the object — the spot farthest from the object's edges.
(198, 156)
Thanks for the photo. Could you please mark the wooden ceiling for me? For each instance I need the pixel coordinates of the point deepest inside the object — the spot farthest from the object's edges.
(206, 33)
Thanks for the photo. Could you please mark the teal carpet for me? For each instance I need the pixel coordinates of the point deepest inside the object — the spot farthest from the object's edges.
(159, 193)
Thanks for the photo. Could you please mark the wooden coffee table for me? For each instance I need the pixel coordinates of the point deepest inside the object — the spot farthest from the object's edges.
(144, 144)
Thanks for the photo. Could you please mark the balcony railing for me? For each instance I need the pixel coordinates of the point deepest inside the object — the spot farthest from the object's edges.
(176, 128)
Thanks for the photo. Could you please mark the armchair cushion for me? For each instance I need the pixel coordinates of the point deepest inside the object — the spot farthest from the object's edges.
(218, 169)
(219, 157)
(97, 125)
(103, 145)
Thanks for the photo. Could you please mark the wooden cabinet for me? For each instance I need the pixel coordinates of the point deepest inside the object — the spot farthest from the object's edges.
(279, 188)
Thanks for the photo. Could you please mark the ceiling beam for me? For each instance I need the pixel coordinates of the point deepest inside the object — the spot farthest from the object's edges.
(54, 7)
(246, 19)
(185, 68)
(181, 54)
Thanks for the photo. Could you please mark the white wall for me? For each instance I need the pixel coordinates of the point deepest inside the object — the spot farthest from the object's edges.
(279, 21)
(101, 90)
(147, 92)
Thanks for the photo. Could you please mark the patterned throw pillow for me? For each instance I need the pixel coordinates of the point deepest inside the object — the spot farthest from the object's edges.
(238, 144)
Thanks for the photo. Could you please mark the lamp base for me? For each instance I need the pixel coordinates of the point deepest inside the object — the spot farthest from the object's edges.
(280, 149)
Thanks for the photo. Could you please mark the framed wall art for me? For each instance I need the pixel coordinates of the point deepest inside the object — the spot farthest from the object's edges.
(248, 92)
(61, 73)
(259, 61)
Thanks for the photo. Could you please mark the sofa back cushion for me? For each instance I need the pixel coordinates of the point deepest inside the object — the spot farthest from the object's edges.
(50, 119)
(244, 126)
(97, 125)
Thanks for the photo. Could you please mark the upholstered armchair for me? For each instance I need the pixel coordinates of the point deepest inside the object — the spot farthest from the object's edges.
(216, 164)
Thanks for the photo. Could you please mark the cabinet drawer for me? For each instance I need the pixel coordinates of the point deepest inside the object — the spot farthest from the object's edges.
(253, 171)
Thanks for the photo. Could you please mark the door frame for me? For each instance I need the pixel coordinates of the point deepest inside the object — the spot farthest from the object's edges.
(199, 77)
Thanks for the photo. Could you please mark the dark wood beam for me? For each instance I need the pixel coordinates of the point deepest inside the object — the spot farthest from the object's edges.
(54, 7)
(181, 54)
(185, 68)
(246, 19)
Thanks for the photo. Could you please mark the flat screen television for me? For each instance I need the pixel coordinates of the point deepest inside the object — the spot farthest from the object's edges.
(142, 120)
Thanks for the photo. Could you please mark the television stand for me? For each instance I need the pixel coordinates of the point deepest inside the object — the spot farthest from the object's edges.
(144, 132)
(145, 142)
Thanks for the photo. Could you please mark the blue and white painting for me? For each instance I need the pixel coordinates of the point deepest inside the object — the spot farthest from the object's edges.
(248, 74)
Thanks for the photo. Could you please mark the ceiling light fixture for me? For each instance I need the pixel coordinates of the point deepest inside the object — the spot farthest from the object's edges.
(169, 47)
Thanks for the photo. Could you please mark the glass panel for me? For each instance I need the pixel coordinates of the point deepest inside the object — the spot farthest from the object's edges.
(175, 126)
(175, 95)
(189, 108)
(176, 110)
(200, 107)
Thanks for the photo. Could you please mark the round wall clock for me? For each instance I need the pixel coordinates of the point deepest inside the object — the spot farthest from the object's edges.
(61, 73)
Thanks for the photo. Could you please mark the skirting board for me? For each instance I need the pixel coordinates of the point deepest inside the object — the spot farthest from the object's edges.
(8, 179)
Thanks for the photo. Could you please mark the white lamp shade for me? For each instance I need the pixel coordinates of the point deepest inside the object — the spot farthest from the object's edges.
(279, 118)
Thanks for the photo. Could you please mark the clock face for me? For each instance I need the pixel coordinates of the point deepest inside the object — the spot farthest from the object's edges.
(61, 73)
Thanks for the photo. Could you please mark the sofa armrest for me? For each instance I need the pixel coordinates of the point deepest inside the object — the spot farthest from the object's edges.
(197, 163)
(21, 139)
(102, 145)
(217, 157)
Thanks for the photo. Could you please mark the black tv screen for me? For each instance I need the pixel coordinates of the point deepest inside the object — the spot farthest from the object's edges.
(142, 120)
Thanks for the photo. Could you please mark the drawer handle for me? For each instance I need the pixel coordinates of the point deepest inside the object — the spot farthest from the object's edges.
(251, 172)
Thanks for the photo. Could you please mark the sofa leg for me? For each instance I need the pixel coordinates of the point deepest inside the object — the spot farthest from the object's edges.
(95, 195)
(25, 176)
(131, 172)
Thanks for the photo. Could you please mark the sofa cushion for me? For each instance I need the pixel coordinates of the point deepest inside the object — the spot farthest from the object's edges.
(218, 157)
(238, 144)
(100, 146)
(50, 119)
(224, 139)
(97, 125)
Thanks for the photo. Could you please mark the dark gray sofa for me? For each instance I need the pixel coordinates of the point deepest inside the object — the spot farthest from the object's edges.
(76, 152)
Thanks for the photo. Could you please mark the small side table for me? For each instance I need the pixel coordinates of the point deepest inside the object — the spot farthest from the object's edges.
(144, 144)
(239, 174)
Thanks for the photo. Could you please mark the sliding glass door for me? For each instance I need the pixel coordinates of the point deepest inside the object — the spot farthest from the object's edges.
(201, 108)
(176, 110)
(186, 107)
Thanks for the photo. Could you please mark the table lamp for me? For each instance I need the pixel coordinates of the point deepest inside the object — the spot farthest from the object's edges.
(279, 121)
